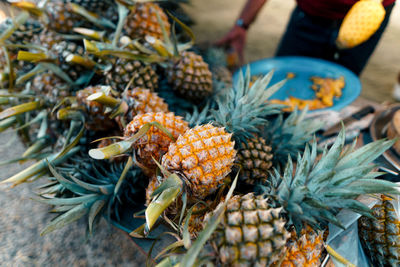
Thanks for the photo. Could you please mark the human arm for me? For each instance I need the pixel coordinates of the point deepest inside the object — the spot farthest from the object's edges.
(236, 37)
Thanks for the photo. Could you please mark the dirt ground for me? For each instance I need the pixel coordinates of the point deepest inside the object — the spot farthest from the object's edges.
(214, 19)
(22, 219)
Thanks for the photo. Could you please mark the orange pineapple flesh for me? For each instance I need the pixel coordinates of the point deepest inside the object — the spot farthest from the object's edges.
(204, 155)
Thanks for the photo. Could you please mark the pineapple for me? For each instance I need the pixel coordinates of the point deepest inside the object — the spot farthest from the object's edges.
(380, 236)
(51, 87)
(360, 23)
(142, 21)
(61, 18)
(88, 187)
(204, 155)
(255, 158)
(47, 38)
(123, 71)
(282, 137)
(96, 120)
(251, 233)
(305, 250)
(216, 59)
(155, 142)
(141, 101)
(190, 77)
(311, 195)
(62, 50)
(96, 6)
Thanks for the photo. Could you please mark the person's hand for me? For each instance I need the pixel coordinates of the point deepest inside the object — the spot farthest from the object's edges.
(235, 38)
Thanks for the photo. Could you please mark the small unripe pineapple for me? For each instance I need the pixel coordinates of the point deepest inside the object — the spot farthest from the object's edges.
(360, 23)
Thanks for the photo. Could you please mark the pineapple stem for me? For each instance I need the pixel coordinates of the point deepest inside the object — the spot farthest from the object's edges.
(104, 99)
(123, 146)
(111, 150)
(69, 114)
(96, 35)
(31, 57)
(28, 6)
(163, 200)
(16, 110)
(79, 60)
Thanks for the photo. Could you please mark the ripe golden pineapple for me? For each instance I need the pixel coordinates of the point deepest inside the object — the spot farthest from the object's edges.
(304, 250)
(360, 23)
(142, 21)
(381, 236)
(255, 158)
(155, 142)
(190, 77)
(251, 233)
(204, 155)
(124, 70)
(140, 101)
(96, 119)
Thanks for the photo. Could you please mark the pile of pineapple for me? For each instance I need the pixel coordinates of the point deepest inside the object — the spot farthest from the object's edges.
(120, 110)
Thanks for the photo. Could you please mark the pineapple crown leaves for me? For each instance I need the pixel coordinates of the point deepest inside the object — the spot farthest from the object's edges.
(244, 108)
(89, 189)
(317, 190)
(289, 136)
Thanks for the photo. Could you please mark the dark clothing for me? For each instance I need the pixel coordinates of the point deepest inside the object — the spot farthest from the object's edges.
(311, 36)
(332, 9)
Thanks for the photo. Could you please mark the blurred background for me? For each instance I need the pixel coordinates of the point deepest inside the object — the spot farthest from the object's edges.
(22, 219)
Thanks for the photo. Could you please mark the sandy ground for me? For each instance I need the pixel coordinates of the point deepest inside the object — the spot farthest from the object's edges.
(22, 219)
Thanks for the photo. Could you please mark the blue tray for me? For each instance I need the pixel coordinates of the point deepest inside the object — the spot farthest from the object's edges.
(304, 68)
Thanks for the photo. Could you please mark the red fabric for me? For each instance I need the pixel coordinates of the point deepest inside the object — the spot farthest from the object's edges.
(331, 9)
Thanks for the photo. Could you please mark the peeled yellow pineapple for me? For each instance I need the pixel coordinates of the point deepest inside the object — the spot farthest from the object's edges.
(360, 23)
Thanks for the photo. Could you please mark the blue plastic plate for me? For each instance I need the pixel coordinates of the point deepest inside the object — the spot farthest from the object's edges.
(304, 68)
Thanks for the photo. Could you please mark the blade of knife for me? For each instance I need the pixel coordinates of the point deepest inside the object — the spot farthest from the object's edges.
(349, 120)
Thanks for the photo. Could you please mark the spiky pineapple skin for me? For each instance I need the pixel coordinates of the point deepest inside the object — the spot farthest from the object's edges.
(304, 250)
(124, 70)
(49, 85)
(60, 17)
(142, 21)
(360, 23)
(91, 5)
(190, 77)
(155, 142)
(250, 233)
(96, 120)
(142, 101)
(255, 158)
(205, 155)
(381, 236)
(62, 50)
